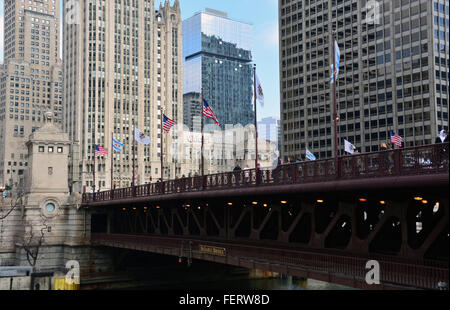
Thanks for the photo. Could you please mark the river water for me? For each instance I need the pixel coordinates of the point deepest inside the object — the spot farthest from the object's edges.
(172, 275)
(272, 284)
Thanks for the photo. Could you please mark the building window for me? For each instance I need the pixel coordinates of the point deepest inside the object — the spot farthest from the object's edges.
(50, 207)
(41, 149)
(60, 149)
(50, 149)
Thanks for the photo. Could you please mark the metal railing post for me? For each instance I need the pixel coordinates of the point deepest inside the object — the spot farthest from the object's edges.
(397, 161)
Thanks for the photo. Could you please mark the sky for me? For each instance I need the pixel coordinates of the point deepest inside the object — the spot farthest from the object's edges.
(263, 15)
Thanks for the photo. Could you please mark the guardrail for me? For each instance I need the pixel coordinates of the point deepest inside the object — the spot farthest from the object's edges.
(428, 159)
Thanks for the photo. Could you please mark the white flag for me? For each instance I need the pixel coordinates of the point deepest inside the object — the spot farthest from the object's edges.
(141, 137)
(259, 92)
(349, 148)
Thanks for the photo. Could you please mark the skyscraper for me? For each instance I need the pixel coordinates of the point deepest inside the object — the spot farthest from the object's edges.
(269, 129)
(394, 73)
(122, 68)
(217, 56)
(192, 111)
(31, 81)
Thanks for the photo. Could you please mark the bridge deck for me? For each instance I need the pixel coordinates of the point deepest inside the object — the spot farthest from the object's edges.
(418, 166)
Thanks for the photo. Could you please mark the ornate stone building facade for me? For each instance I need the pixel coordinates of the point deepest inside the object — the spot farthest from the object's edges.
(31, 81)
(123, 67)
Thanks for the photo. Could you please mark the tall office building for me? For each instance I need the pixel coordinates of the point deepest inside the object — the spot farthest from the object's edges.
(122, 66)
(394, 73)
(217, 56)
(269, 129)
(31, 81)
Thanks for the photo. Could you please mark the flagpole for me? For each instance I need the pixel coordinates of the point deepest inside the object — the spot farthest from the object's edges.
(390, 140)
(203, 140)
(162, 147)
(335, 115)
(256, 124)
(112, 161)
(134, 153)
(93, 170)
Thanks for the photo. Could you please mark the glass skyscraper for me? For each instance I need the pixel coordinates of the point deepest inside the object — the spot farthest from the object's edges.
(270, 129)
(217, 56)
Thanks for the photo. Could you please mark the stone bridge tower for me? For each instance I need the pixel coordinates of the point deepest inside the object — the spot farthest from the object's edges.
(47, 228)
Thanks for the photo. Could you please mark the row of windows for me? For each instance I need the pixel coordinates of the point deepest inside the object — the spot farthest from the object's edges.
(11, 110)
(441, 7)
(370, 137)
(34, 119)
(27, 86)
(406, 106)
(12, 103)
(51, 149)
(15, 164)
(441, 35)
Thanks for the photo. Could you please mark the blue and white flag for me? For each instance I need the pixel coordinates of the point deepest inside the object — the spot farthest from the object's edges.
(310, 155)
(117, 146)
(338, 62)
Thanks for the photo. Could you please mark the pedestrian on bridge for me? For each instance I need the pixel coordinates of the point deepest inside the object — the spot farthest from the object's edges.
(237, 174)
(247, 174)
(443, 153)
(261, 173)
(384, 147)
(280, 162)
(388, 161)
(443, 137)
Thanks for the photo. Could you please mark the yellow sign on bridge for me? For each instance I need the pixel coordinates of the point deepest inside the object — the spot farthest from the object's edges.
(213, 250)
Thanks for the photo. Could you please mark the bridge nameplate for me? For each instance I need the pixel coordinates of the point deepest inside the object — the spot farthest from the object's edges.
(213, 250)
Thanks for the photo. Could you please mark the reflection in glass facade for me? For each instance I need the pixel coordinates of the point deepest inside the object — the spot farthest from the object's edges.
(217, 57)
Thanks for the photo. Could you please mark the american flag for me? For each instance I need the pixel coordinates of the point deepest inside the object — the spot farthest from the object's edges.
(208, 112)
(100, 151)
(167, 123)
(396, 139)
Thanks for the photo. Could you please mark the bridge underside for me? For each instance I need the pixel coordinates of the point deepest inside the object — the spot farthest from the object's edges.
(405, 229)
(332, 268)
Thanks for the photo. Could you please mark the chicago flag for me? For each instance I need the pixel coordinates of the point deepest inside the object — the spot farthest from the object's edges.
(117, 146)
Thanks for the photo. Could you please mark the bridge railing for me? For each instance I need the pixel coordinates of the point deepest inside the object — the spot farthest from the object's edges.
(428, 159)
